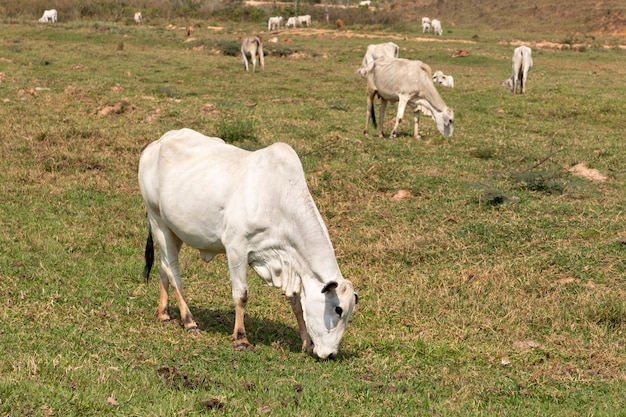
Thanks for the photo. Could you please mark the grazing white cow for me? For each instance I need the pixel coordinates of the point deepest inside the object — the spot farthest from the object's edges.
(436, 24)
(49, 16)
(304, 20)
(256, 208)
(138, 18)
(274, 22)
(426, 27)
(521, 63)
(292, 22)
(251, 48)
(443, 79)
(365, 3)
(407, 82)
(375, 51)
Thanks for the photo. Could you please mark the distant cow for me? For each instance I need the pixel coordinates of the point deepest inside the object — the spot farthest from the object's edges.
(339, 24)
(251, 48)
(521, 63)
(304, 20)
(138, 18)
(49, 16)
(365, 3)
(256, 208)
(274, 22)
(443, 79)
(437, 29)
(376, 51)
(426, 25)
(292, 22)
(407, 82)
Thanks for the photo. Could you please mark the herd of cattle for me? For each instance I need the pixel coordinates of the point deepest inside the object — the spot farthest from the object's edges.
(203, 192)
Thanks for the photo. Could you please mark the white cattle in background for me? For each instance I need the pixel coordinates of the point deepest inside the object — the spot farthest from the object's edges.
(274, 22)
(443, 79)
(304, 20)
(292, 22)
(138, 17)
(376, 51)
(365, 3)
(437, 29)
(406, 82)
(426, 27)
(521, 64)
(49, 16)
(251, 48)
(257, 209)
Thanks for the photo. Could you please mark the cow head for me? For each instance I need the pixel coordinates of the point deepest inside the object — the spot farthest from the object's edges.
(326, 311)
(445, 121)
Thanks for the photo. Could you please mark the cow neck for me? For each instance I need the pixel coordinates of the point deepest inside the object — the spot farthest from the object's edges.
(286, 268)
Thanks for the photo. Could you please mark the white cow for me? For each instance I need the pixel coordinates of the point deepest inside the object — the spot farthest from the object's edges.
(443, 79)
(436, 24)
(274, 22)
(407, 82)
(426, 27)
(521, 63)
(365, 3)
(292, 22)
(256, 208)
(138, 17)
(376, 51)
(251, 48)
(49, 16)
(304, 20)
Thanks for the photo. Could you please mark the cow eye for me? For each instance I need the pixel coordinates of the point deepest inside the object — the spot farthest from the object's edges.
(339, 310)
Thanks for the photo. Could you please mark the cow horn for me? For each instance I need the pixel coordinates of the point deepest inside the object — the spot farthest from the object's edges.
(330, 286)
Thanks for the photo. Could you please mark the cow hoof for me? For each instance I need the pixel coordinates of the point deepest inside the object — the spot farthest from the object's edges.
(243, 346)
(193, 329)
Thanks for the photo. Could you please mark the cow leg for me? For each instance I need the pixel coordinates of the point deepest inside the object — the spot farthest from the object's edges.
(383, 107)
(416, 121)
(261, 57)
(239, 283)
(401, 108)
(296, 306)
(169, 272)
(368, 112)
(245, 61)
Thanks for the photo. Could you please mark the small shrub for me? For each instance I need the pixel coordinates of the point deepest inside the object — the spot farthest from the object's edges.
(229, 48)
(544, 181)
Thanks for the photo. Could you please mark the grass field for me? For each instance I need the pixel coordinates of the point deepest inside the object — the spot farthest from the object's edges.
(497, 288)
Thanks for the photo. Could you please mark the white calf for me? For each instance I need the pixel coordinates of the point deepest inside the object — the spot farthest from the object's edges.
(521, 63)
(304, 20)
(292, 22)
(274, 22)
(49, 16)
(426, 27)
(443, 79)
(138, 17)
(437, 27)
(250, 49)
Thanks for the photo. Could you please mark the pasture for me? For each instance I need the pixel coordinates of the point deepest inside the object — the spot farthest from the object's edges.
(495, 286)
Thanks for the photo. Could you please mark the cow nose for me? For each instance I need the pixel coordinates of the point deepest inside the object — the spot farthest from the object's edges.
(332, 356)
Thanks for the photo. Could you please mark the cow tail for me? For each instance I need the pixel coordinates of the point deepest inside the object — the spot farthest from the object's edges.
(149, 255)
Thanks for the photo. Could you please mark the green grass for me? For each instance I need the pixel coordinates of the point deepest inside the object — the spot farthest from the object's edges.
(498, 244)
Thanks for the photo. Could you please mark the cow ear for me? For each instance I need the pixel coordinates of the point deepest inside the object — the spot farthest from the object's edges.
(329, 287)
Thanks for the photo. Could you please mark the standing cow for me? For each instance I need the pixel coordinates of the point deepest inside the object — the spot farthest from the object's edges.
(256, 208)
(521, 64)
(251, 48)
(406, 82)
(138, 18)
